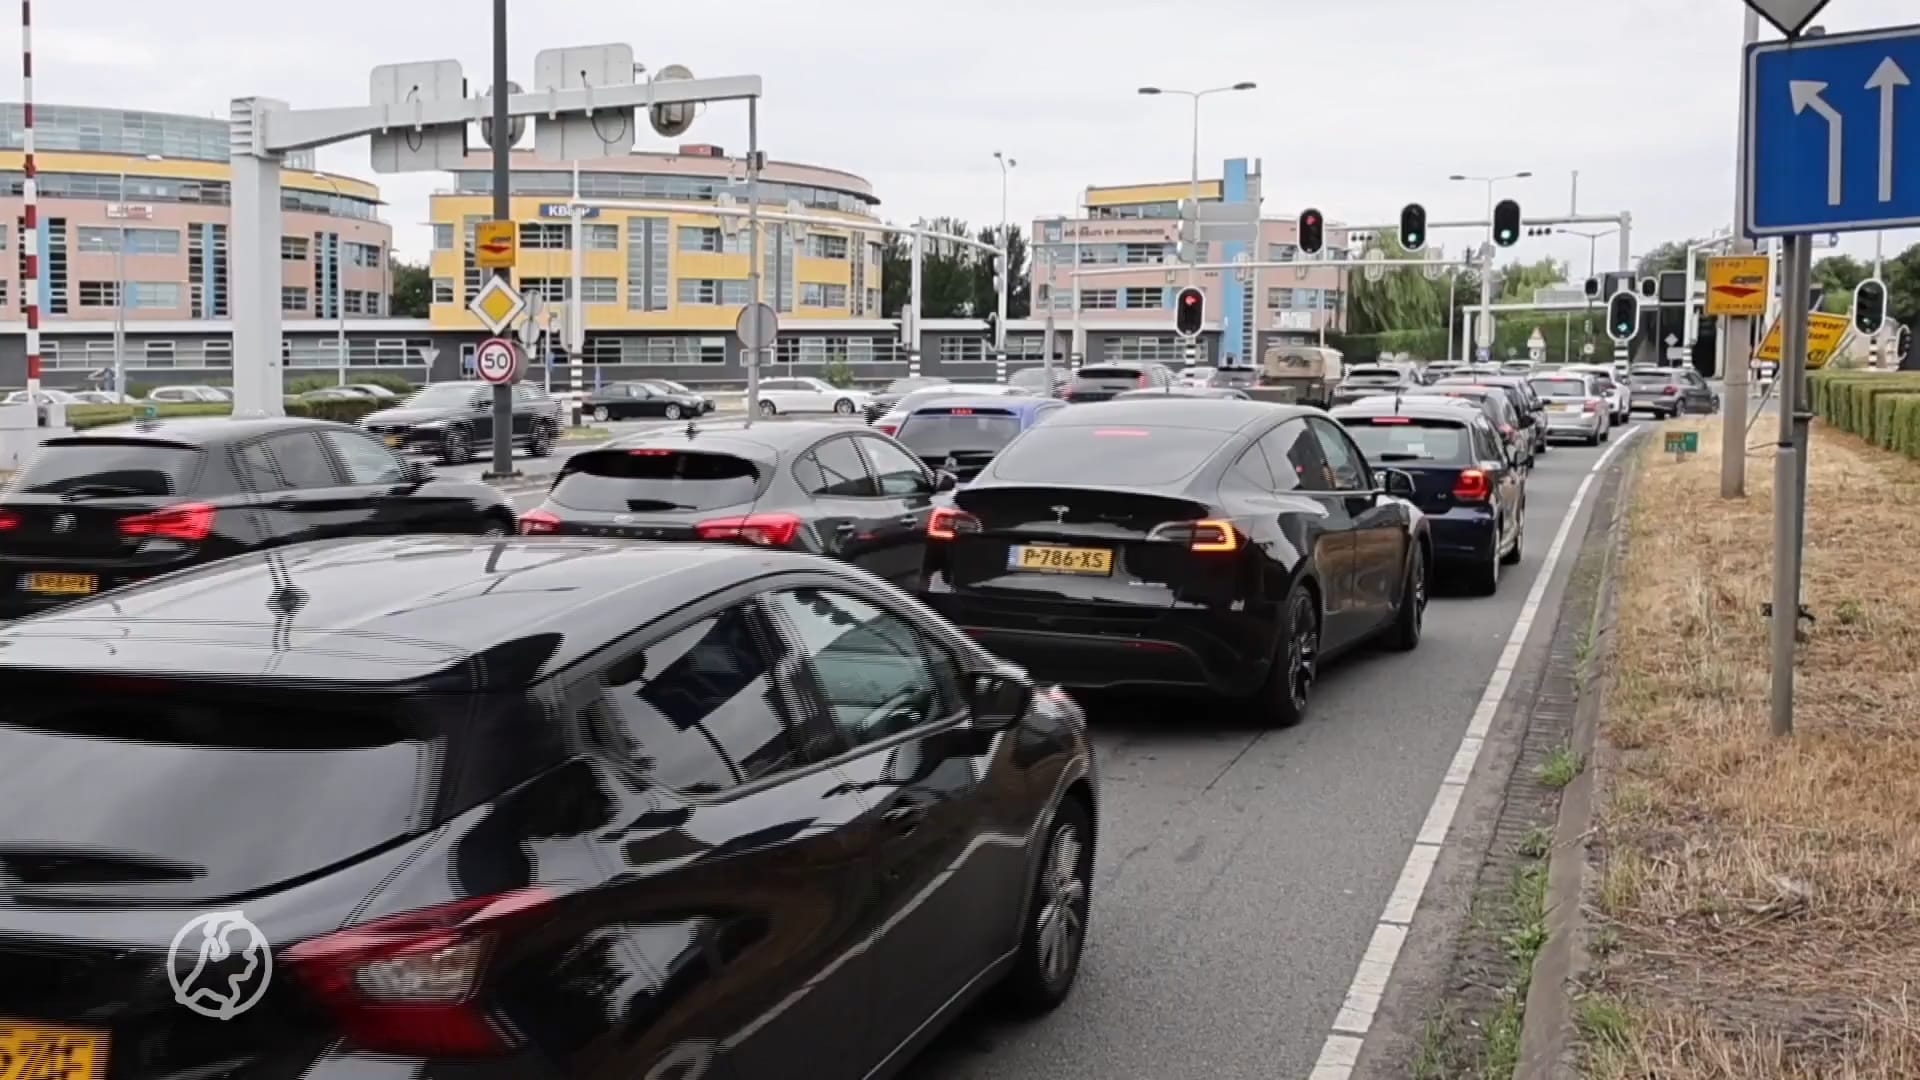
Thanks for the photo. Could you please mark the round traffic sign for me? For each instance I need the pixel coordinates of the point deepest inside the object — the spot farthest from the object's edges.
(497, 360)
(757, 326)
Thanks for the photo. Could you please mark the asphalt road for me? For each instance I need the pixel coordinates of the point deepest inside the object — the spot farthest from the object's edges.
(1241, 872)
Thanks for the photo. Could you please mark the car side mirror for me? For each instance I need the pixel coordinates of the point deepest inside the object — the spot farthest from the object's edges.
(944, 481)
(1397, 482)
(999, 698)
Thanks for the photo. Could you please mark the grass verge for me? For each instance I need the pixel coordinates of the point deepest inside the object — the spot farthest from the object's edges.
(1760, 896)
(582, 434)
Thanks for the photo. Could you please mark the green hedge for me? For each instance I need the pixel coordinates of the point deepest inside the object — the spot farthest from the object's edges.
(82, 417)
(1882, 407)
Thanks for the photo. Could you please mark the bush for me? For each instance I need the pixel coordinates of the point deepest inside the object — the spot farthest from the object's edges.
(1882, 407)
(346, 411)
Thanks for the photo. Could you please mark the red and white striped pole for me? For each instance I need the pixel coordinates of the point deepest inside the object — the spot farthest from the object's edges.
(29, 190)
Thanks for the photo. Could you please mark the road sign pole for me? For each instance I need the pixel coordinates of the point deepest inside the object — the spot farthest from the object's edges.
(753, 355)
(1789, 492)
(502, 211)
(1736, 332)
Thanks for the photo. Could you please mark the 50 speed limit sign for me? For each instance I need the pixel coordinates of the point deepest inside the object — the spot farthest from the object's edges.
(497, 360)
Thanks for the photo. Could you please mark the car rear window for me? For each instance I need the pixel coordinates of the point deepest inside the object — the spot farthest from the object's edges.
(1109, 373)
(944, 431)
(1389, 439)
(1120, 455)
(1373, 374)
(1652, 378)
(1560, 387)
(655, 479)
(105, 469)
(191, 798)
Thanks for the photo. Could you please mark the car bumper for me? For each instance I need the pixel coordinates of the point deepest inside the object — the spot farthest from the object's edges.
(1575, 425)
(1652, 403)
(1463, 535)
(17, 601)
(1087, 646)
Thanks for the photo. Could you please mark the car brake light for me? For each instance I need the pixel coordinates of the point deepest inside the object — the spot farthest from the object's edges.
(1506, 429)
(651, 453)
(1472, 485)
(888, 429)
(1391, 420)
(947, 523)
(1204, 535)
(1592, 405)
(1127, 432)
(1144, 380)
(538, 523)
(765, 530)
(1669, 390)
(188, 521)
(409, 984)
(9, 520)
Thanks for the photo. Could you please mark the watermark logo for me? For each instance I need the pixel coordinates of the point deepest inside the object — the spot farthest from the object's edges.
(219, 964)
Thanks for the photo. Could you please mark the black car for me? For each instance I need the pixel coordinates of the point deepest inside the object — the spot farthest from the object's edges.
(1513, 424)
(1101, 382)
(116, 505)
(631, 400)
(668, 386)
(960, 435)
(1221, 545)
(1464, 478)
(1218, 393)
(454, 422)
(884, 401)
(800, 485)
(1527, 406)
(560, 808)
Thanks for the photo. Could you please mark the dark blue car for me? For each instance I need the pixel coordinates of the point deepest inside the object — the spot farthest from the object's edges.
(961, 434)
(1465, 479)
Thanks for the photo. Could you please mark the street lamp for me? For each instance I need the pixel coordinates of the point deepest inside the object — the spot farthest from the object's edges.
(1194, 189)
(1486, 270)
(1003, 273)
(339, 288)
(120, 286)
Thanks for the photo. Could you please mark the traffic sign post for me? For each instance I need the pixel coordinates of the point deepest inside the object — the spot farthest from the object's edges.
(497, 304)
(497, 361)
(1737, 285)
(495, 243)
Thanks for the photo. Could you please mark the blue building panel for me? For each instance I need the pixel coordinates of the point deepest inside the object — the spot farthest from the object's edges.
(1233, 293)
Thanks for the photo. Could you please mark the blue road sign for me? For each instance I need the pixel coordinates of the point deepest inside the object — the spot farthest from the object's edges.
(1832, 140)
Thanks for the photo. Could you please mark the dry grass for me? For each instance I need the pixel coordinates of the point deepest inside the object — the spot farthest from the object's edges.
(1766, 893)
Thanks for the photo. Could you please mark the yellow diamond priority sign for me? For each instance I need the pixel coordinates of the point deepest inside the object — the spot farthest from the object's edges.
(497, 304)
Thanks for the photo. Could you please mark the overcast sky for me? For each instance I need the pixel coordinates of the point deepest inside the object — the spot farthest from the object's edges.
(1362, 105)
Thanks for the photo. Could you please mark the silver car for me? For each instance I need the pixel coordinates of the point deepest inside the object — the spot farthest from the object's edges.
(1576, 409)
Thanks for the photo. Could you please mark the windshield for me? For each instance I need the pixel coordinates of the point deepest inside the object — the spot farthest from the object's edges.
(445, 396)
(1107, 456)
(1388, 439)
(1560, 387)
(935, 434)
(655, 480)
(110, 469)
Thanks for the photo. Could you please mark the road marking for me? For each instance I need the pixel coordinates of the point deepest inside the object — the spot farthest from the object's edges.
(1341, 1051)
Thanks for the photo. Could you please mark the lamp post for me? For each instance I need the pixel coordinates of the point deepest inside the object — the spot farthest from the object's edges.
(1485, 335)
(1005, 269)
(339, 290)
(120, 286)
(1194, 185)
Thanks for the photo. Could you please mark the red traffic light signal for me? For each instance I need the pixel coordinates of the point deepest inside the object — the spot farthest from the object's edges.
(1189, 312)
(1312, 232)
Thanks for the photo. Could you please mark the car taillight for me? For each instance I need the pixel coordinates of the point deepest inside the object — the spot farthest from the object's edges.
(1472, 485)
(1391, 420)
(1206, 535)
(650, 453)
(9, 520)
(188, 521)
(947, 523)
(409, 984)
(1669, 390)
(1506, 429)
(538, 523)
(888, 429)
(1591, 405)
(766, 530)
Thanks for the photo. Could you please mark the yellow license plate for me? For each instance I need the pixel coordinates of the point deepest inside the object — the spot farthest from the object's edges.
(395, 441)
(1060, 560)
(1568, 408)
(62, 585)
(32, 1051)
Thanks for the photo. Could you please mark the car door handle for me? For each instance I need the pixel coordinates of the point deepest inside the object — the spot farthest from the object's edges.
(845, 527)
(909, 519)
(905, 819)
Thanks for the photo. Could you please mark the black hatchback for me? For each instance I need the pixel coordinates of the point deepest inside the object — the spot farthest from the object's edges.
(556, 808)
(799, 485)
(116, 505)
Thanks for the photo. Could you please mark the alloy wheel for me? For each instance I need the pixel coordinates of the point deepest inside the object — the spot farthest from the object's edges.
(1058, 927)
(1302, 651)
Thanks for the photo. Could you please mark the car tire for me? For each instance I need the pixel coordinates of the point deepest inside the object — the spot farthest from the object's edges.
(768, 408)
(456, 447)
(1409, 621)
(844, 407)
(1484, 580)
(1512, 557)
(1054, 936)
(601, 414)
(673, 411)
(1606, 433)
(541, 442)
(1287, 693)
(495, 528)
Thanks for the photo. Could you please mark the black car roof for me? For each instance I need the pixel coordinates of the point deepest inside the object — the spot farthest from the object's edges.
(1213, 414)
(202, 431)
(732, 436)
(459, 613)
(1423, 407)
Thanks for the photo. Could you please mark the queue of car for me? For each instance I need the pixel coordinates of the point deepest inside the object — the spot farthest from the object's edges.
(823, 661)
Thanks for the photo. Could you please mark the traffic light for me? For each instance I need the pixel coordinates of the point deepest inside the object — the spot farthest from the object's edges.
(1623, 316)
(1189, 312)
(1312, 232)
(1506, 223)
(993, 326)
(1870, 306)
(1903, 346)
(1413, 226)
(1650, 287)
(1593, 288)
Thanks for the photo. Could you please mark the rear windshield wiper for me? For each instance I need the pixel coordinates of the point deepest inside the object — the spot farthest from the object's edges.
(99, 491)
(641, 506)
(1396, 455)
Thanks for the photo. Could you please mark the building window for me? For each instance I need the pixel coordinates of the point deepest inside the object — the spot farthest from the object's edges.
(442, 290)
(442, 236)
(823, 296)
(95, 239)
(712, 291)
(873, 302)
(551, 289)
(1099, 299)
(1144, 350)
(99, 294)
(293, 298)
(599, 290)
(956, 350)
(160, 350)
(366, 255)
(356, 302)
(696, 238)
(821, 246)
(1150, 296)
(544, 236)
(602, 237)
(3, 292)
(1282, 252)
(153, 294)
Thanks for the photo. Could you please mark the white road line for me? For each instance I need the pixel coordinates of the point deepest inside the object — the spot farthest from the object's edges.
(1341, 1051)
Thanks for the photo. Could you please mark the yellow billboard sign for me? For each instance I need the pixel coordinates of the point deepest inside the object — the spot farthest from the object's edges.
(1825, 334)
(494, 244)
(1737, 284)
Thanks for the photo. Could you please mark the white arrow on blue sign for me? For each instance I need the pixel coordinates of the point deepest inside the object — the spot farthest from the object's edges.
(1832, 140)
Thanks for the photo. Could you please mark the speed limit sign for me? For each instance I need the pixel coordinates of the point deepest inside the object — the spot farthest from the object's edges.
(497, 360)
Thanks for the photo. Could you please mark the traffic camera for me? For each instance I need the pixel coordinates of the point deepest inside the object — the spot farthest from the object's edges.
(1623, 316)
(1506, 223)
(1189, 312)
(1413, 227)
(1312, 232)
(1870, 306)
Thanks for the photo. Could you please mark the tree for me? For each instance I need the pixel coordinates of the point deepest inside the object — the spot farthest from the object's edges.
(412, 296)
(1839, 275)
(1518, 280)
(1671, 255)
(1020, 286)
(956, 280)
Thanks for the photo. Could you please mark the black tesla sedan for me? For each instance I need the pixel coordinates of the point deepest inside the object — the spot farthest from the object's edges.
(524, 808)
(115, 505)
(1232, 546)
(798, 485)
